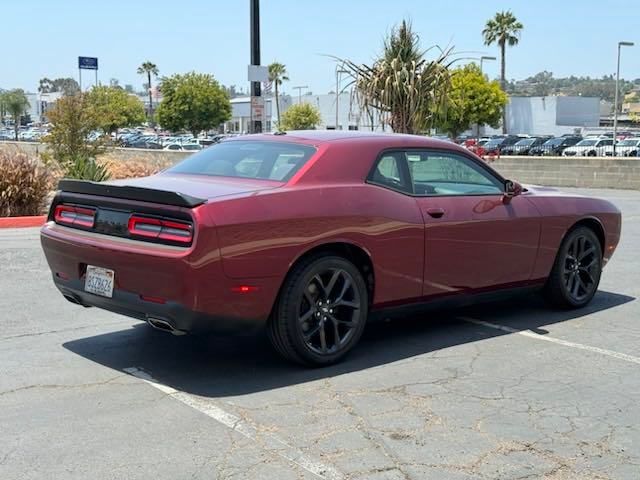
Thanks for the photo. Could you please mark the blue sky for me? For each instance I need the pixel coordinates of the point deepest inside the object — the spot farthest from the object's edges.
(562, 36)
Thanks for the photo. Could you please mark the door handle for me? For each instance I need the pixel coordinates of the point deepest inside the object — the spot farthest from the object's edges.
(435, 212)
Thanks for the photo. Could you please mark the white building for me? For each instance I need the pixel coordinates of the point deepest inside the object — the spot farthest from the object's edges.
(554, 115)
(39, 103)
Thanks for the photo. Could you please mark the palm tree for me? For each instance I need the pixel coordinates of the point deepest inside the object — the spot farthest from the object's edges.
(277, 75)
(148, 69)
(16, 104)
(504, 28)
(402, 84)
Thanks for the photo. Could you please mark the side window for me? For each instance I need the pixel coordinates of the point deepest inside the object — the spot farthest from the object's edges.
(442, 173)
(389, 173)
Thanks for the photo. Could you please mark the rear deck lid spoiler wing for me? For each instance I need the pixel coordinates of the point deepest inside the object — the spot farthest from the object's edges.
(141, 194)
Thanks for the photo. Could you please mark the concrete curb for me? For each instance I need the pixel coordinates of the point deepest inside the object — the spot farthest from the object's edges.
(22, 222)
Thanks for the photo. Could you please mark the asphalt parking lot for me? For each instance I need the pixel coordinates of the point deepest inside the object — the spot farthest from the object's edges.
(511, 390)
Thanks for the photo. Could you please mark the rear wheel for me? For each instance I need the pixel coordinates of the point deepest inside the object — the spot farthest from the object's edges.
(321, 311)
(576, 273)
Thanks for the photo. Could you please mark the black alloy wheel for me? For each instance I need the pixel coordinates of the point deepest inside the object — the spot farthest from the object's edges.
(321, 311)
(576, 273)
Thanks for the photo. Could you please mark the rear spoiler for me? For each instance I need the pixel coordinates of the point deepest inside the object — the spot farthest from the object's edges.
(130, 193)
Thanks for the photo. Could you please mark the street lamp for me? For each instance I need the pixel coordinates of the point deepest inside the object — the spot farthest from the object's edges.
(338, 72)
(615, 103)
(300, 88)
(482, 59)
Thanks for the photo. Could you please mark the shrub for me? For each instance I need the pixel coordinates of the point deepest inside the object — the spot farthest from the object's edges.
(24, 185)
(132, 168)
(302, 116)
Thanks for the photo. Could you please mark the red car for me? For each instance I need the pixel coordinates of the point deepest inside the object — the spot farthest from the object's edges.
(309, 234)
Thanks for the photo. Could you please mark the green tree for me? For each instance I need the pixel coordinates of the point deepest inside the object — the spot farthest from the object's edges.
(301, 116)
(472, 100)
(67, 85)
(70, 148)
(15, 103)
(113, 108)
(148, 68)
(193, 102)
(503, 29)
(402, 82)
(277, 75)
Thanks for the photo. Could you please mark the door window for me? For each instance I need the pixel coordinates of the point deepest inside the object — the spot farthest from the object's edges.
(443, 173)
(389, 172)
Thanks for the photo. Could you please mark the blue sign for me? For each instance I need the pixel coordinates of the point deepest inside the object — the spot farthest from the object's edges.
(88, 63)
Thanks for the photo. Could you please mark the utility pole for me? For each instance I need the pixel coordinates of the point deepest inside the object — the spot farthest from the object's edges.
(300, 88)
(615, 103)
(256, 125)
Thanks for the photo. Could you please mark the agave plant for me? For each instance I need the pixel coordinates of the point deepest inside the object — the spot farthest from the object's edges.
(403, 83)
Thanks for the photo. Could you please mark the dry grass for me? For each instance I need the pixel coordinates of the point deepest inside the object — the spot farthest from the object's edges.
(24, 184)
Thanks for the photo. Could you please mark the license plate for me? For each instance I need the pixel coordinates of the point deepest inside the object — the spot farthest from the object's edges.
(99, 281)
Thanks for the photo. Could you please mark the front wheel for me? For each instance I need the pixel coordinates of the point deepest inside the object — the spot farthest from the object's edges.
(321, 311)
(576, 272)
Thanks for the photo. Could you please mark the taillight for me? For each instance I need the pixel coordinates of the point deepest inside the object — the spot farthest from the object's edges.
(74, 215)
(160, 229)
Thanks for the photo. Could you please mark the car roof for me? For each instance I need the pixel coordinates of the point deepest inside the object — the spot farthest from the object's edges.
(317, 137)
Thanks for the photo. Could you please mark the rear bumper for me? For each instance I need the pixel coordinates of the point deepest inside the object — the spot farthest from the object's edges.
(188, 285)
(180, 318)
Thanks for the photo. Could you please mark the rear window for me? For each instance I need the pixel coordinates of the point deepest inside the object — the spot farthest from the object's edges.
(248, 159)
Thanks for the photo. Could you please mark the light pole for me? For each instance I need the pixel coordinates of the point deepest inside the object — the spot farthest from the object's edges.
(300, 88)
(482, 59)
(615, 102)
(338, 72)
(254, 21)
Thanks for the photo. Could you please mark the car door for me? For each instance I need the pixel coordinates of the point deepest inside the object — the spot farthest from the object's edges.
(475, 237)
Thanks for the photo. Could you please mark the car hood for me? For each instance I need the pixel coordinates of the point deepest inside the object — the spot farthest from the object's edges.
(200, 186)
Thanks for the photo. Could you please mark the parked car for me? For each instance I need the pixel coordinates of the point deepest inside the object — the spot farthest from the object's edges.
(311, 234)
(555, 146)
(183, 147)
(523, 146)
(496, 144)
(589, 147)
(624, 148)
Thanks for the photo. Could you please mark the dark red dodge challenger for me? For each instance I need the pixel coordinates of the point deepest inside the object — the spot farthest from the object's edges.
(310, 233)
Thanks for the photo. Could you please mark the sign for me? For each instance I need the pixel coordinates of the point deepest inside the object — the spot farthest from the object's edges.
(258, 73)
(257, 109)
(87, 63)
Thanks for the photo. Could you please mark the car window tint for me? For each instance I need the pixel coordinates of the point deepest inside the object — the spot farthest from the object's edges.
(251, 159)
(388, 172)
(438, 173)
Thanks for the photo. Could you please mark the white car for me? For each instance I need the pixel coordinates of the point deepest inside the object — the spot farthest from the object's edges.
(589, 147)
(624, 148)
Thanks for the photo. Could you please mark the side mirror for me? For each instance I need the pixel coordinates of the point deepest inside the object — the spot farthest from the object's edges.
(511, 189)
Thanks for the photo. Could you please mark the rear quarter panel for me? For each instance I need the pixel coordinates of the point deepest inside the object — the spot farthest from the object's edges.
(264, 234)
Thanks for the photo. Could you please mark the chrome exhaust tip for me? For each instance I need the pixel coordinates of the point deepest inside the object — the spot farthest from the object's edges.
(165, 326)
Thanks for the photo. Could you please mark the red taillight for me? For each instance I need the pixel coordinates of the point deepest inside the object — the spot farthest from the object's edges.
(161, 229)
(73, 215)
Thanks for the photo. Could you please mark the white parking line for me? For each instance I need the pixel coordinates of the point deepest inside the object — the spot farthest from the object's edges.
(546, 338)
(274, 444)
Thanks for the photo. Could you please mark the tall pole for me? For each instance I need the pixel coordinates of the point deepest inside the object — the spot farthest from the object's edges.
(338, 72)
(482, 59)
(256, 126)
(299, 88)
(615, 102)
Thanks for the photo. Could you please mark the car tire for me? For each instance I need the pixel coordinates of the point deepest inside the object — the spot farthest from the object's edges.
(592, 153)
(321, 311)
(575, 275)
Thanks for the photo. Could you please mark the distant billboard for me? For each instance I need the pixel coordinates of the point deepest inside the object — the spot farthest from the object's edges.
(87, 63)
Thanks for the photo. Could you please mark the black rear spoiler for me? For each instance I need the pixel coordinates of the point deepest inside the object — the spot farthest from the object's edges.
(130, 193)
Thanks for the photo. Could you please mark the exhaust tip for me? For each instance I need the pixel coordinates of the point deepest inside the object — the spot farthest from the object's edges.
(165, 326)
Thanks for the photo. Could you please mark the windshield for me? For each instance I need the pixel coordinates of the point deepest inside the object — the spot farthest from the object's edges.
(630, 142)
(525, 142)
(554, 141)
(495, 142)
(248, 159)
(586, 143)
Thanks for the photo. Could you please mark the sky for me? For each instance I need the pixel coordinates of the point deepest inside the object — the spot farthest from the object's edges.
(44, 38)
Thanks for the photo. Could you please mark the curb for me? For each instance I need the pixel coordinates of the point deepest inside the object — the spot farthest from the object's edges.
(22, 222)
